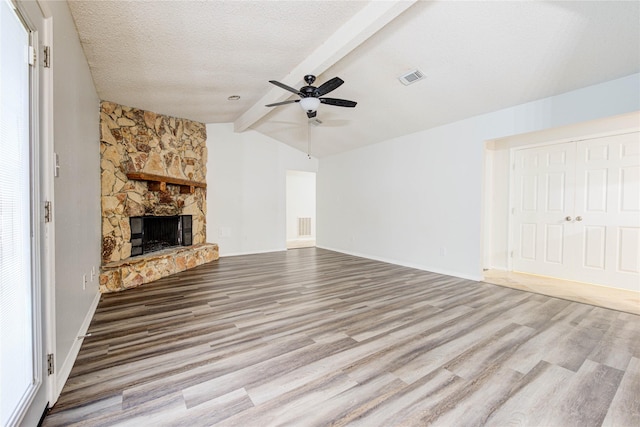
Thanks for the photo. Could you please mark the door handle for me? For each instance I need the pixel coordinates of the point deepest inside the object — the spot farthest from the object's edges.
(568, 218)
(578, 218)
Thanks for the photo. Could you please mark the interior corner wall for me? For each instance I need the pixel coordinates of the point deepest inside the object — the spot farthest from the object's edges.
(246, 189)
(418, 200)
(76, 204)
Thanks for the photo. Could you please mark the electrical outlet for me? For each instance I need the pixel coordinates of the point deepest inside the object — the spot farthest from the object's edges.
(84, 282)
(443, 251)
(93, 272)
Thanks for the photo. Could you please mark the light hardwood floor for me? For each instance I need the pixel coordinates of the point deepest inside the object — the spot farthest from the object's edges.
(310, 337)
(603, 296)
(300, 243)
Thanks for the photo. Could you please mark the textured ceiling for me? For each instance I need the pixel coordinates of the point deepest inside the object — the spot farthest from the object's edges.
(184, 58)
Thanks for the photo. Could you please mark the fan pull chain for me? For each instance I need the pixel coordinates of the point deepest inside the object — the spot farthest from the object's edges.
(309, 140)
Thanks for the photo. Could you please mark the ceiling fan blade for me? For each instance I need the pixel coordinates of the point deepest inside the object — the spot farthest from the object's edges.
(328, 86)
(338, 102)
(311, 114)
(275, 104)
(285, 87)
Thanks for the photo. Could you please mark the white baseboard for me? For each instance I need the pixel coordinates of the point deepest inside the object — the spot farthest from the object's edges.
(475, 278)
(253, 252)
(65, 370)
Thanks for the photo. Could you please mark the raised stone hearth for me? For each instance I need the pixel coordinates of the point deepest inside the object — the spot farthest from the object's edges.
(132, 272)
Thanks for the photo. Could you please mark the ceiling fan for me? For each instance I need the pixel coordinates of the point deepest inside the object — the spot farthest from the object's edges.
(311, 97)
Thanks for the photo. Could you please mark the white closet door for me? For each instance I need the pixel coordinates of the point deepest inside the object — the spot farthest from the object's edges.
(607, 210)
(543, 198)
(576, 211)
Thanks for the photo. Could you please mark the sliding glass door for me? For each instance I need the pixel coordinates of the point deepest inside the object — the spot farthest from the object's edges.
(19, 377)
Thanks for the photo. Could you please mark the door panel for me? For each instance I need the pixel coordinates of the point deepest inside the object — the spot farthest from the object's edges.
(629, 247)
(630, 189)
(577, 211)
(608, 201)
(595, 238)
(530, 187)
(556, 197)
(555, 244)
(596, 190)
(528, 241)
(542, 193)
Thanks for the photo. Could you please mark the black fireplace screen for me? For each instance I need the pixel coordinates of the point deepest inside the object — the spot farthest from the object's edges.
(154, 233)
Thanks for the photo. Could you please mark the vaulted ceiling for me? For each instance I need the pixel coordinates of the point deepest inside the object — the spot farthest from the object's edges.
(185, 58)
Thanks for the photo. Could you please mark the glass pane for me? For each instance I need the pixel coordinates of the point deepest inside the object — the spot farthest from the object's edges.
(16, 351)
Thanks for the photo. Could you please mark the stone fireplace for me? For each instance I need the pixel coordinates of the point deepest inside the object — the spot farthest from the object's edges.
(152, 166)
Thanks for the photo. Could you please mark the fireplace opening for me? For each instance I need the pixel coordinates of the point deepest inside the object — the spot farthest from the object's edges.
(154, 233)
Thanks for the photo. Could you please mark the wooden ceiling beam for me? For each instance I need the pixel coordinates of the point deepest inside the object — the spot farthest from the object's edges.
(373, 17)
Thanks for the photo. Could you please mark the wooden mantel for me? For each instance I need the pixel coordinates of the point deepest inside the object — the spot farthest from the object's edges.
(159, 182)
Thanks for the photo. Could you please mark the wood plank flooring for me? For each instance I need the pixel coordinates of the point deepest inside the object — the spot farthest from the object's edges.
(603, 296)
(310, 337)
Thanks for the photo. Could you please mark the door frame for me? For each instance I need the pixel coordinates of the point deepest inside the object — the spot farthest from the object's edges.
(38, 18)
(290, 221)
(512, 176)
(47, 166)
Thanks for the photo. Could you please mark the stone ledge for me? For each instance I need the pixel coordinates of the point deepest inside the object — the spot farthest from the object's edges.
(135, 271)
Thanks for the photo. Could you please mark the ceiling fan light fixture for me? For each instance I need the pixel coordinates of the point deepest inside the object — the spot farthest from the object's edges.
(309, 104)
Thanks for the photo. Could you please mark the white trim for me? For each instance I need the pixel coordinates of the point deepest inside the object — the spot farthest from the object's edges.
(253, 253)
(44, 8)
(496, 269)
(65, 369)
(47, 193)
(511, 207)
(585, 137)
(36, 217)
(475, 278)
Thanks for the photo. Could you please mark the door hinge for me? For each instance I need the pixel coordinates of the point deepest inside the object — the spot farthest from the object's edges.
(46, 57)
(47, 211)
(50, 365)
(511, 254)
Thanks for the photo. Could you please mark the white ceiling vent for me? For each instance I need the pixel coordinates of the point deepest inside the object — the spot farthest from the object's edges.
(411, 77)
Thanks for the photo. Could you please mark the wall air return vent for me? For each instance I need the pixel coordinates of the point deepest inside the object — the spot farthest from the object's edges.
(411, 77)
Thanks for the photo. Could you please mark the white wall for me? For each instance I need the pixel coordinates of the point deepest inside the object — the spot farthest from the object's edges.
(246, 189)
(77, 189)
(301, 202)
(417, 200)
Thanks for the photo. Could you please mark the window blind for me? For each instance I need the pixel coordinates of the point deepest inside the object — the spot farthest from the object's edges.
(16, 334)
